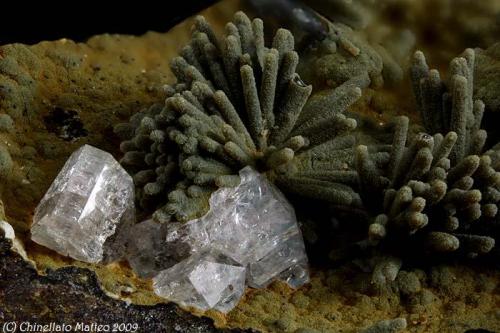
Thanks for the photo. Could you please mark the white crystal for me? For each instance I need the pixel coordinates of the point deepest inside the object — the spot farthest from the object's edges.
(87, 209)
(252, 224)
(205, 280)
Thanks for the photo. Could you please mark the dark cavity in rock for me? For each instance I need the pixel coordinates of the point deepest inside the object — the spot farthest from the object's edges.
(66, 124)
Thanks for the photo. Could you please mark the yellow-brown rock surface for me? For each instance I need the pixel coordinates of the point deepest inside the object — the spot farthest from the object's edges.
(103, 81)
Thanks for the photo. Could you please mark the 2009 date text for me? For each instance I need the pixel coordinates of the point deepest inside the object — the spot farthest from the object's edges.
(27, 326)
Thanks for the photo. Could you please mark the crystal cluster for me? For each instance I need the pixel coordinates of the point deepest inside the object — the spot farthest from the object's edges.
(250, 231)
(250, 235)
(88, 209)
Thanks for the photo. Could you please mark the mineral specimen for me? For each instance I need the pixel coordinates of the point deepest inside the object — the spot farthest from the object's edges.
(207, 280)
(287, 261)
(253, 228)
(438, 192)
(255, 225)
(238, 103)
(153, 247)
(145, 249)
(87, 209)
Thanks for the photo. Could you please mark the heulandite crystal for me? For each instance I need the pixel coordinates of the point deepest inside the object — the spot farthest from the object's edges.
(255, 225)
(250, 230)
(249, 234)
(153, 247)
(88, 208)
(204, 281)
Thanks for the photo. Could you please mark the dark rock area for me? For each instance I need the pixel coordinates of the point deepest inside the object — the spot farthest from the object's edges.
(72, 295)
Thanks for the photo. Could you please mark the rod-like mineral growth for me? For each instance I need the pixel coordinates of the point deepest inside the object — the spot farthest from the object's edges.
(237, 103)
(438, 192)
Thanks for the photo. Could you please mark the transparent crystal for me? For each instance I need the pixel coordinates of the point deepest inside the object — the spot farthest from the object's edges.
(153, 247)
(284, 261)
(88, 208)
(205, 280)
(145, 249)
(255, 225)
(251, 226)
(297, 275)
(186, 238)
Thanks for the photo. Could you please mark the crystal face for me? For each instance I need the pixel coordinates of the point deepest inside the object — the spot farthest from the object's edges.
(88, 208)
(145, 249)
(248, 221)
(205, 280)
(281, 261)
(153, 247)
(253, 227)
(256, 226)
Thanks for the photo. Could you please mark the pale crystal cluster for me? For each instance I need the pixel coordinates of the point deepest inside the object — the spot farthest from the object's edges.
(250, 230)
(250, 235)
(88, 208)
